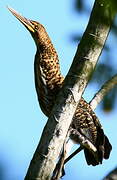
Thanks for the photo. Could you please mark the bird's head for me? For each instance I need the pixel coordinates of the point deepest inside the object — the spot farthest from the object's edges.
(36, 29)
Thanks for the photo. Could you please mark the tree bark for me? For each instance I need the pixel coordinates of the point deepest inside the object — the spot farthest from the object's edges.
(55, 131)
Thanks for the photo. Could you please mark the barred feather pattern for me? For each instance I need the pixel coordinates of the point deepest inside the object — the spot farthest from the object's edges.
(48, 82)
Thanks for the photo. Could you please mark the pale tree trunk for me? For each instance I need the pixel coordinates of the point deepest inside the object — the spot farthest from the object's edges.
(84, 62)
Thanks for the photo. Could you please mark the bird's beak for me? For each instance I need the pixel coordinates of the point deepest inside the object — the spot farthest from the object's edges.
(26, 22)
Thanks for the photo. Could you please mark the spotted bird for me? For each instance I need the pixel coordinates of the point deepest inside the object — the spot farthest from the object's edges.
(48, 82)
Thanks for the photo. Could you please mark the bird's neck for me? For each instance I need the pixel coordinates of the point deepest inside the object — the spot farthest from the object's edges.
(48, 79)
(47, 59)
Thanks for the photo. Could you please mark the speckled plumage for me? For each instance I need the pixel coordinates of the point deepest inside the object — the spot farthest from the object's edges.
(48, 79)
(48, 82)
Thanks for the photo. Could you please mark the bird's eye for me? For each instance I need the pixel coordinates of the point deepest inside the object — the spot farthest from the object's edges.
(36, 27)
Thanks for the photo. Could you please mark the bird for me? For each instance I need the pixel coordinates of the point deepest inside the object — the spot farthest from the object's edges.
(48, 83)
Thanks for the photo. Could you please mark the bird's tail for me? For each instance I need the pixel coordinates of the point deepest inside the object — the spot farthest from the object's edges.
(103, 149)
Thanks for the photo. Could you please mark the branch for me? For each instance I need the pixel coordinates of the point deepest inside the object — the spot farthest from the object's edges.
(73, 154)
(103, 91)
(112, 175)
(83, 141)
(54, 133)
